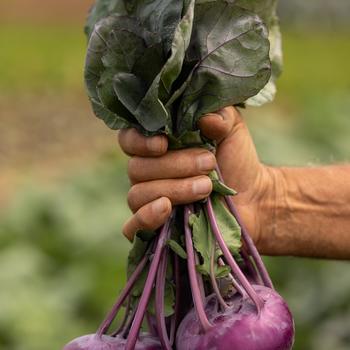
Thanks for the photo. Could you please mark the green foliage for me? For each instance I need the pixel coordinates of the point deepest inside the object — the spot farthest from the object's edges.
(177, 248)
(165, 64)
(203, 237)
(219, 187)
(35, 58)
(60, 254)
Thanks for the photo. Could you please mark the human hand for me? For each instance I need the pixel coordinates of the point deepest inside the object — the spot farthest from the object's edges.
(161, 179)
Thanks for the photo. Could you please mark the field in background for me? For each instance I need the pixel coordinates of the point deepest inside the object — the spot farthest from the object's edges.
(63, 184)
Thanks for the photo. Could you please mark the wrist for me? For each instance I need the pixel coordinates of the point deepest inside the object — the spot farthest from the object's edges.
(269, 238)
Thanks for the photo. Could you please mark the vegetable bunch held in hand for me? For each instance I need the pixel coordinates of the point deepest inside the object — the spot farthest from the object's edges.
(158, 66)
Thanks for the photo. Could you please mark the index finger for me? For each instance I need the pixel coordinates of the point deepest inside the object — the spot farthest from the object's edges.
(135, 144)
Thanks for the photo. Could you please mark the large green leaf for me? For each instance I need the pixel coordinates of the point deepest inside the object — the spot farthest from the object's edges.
(158, 16)
(181, 40)
(116, 47)
(230, 49)
(93, 62)
(111, 119)
(146, 107)
(162, 64)
(102, 9)
(266, 10)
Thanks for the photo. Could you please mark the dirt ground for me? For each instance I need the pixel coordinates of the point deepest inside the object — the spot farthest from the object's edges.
(43, 135)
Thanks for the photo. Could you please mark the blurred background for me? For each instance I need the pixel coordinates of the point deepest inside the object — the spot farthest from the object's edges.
(63, 182)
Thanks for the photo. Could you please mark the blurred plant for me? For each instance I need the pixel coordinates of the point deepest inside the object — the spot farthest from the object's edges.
(60, 250)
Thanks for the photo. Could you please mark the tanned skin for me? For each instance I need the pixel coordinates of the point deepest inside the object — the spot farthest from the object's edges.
(288, 211)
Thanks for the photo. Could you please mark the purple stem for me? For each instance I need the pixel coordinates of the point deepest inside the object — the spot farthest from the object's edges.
(177, 281)
(213, 279)
(141, 308)
(191, 266)
(125, 318)
(159, 307)
(233, 280)
(230, 260)
(172, 330)
(151, 326)
(124, 294)
(199, 277)
(248, 241)
(251, 268)
(127, 326)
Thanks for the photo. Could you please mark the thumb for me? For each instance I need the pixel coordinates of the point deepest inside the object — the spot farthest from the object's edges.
(219, 125)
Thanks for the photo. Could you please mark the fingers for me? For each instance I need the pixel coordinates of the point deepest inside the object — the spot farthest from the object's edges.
(174, 164)
(179, 191)
(217, 126)
(133, 143)
(149, 217)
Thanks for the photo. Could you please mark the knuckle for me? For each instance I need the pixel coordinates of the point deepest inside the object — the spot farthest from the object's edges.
(133, 166)
(127, 233)
(163, 144)
(144, 221)
(126, 139)
(183, 191)
(132, 197)
(121, 139)
(156, 145)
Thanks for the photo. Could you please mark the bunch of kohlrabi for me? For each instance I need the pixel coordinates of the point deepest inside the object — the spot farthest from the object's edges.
(158, 66)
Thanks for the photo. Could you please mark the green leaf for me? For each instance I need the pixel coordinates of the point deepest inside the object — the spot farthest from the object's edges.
(102, 9)
(136, 254)
(222, 271)
(267, 9)
(228, 225)
(188, 139)
(230, 49)
(93, 62)
(169, 300)
(151, 113)
(146, 235)
(159, 65)
(203, 241)
(219, 187)
(111, 119)
(129, 89)
(158, 16)
(180, 43)
(177, 249)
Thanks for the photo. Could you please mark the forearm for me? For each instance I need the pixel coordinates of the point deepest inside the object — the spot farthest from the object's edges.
(308, 213)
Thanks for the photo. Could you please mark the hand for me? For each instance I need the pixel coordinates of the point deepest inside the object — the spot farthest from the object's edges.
(162, 178)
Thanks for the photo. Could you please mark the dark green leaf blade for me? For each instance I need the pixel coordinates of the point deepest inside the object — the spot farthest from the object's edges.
(111, 119)
(179, 46)
(231, 51)
(158, 16)
(102, 9)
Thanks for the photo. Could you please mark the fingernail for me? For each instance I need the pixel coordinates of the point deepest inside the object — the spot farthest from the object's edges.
(202, 186)
(205, 162)
(159, 206)
(154, 144)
